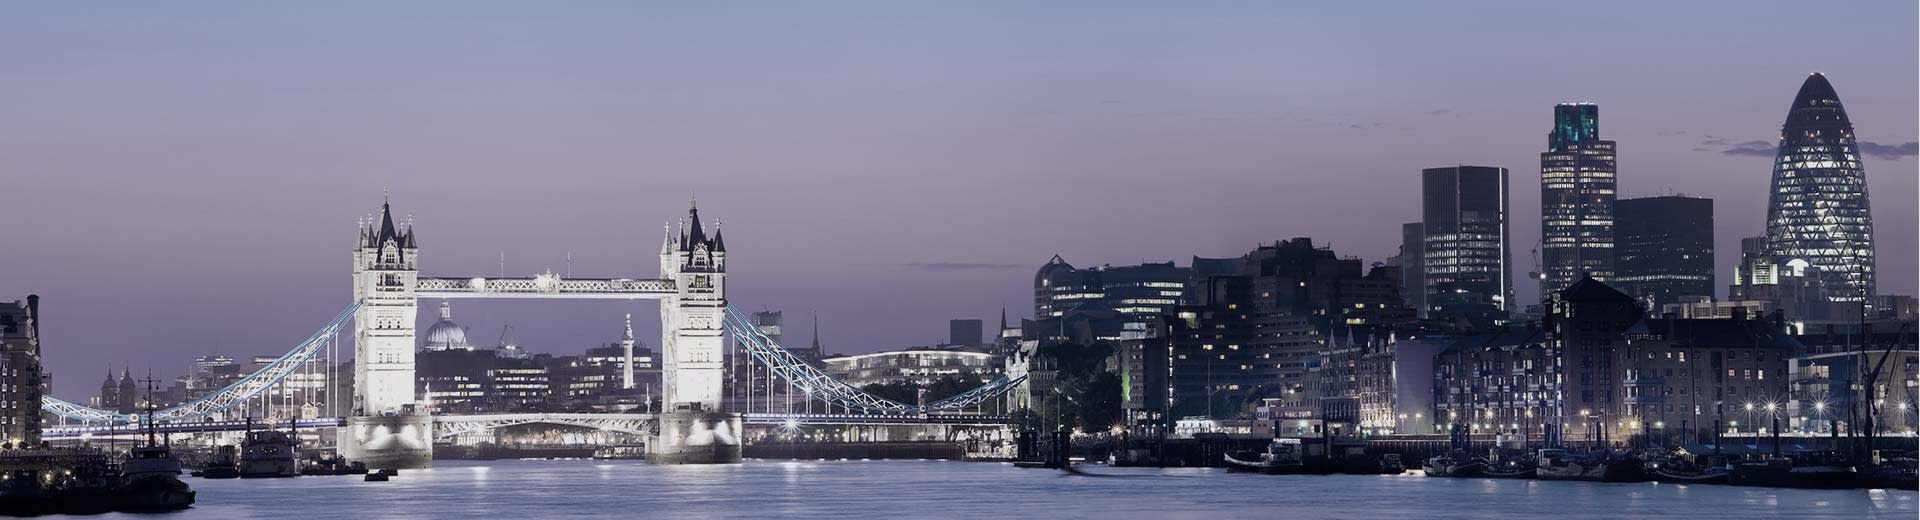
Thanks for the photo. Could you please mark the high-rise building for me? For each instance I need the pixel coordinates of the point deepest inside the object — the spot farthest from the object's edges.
(965, 332)
(22, 382)
(1413, 262)
(1817, 210)
(1576, 199)
(1664, 249)
(1138, 292)
(1467, 259)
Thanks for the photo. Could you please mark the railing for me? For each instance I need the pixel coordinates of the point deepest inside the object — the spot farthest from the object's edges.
(233, 394)
(817, 384)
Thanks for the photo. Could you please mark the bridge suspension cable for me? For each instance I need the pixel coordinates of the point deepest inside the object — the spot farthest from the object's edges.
(233, 394)
(813, 382)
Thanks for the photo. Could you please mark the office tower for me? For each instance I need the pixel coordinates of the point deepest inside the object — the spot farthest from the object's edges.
(1137, 292)
(1664, 249)
(1576, 199)
(1467, 260)
(1413, 261)
(1817, 210)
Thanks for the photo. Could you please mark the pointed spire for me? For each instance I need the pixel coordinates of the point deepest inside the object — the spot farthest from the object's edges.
(666, 238)
(816, 334)
(719, 242)
(387, 230)
(1003, 322)
(695, 235)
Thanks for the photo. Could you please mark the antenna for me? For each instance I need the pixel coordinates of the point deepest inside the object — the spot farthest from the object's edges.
(503, 264)
(569, 269)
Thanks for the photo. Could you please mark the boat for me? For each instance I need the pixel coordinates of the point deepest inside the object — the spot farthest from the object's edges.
(1685, 469)
(1511, 467)
(151, 481)
(1558, 464)
(224, 464)
(268, 454)
(1391, 464)
(1784, 472)
(88, 484)
(1282, 457)
(621, 452)
(1456, 463)
(1895, 473)
(150, 477)
(332, 464)
(23, 491)
(375, 476)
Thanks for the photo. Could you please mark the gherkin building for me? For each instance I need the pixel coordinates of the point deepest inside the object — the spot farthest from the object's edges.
(1817, 210)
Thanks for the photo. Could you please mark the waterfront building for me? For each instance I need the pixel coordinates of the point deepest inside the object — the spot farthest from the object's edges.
(1138, 292)
(1143, 361)
(1681, 375)
(919, 366)
(1508, 381)
(1827, 390)
(1466, 244)
(1817, 210)
(1663, 249)
(965, 332)
(1585, 327)
(1577, 182)
(23, 380)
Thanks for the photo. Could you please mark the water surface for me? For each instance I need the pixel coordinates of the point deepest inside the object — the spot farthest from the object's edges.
(972, 490)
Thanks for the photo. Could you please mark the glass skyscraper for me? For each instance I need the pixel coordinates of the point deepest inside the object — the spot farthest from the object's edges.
(1464, 210)
(1817, 211)
(1576, 199)
(1665, 249)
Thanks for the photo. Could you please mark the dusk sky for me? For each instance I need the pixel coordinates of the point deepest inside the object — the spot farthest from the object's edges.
(183, 178)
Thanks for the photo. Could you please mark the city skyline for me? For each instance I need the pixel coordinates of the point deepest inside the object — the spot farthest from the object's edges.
(860, 178)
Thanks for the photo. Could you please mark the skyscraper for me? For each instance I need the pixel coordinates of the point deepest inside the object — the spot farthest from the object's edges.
(1576, 199)
(1467, 259)
(1817, 210)
(1665, 249)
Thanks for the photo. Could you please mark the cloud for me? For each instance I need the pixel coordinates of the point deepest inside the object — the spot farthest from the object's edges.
(963, 266)
(1752, 148)
(1438, 112)
(1882, 151)
(1768, 148)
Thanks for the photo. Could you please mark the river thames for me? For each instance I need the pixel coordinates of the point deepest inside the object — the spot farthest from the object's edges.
(973, 490)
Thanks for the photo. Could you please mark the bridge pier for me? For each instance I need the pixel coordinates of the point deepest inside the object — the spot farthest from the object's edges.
(691, 437)
(388, 441)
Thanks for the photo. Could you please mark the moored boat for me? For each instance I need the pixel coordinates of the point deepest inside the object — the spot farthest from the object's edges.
(268, 454)
(225, 464)
(151, 481)
(1282, 457)
(1457, 464)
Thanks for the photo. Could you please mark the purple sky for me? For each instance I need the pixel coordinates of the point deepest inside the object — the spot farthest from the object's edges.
(183, 179)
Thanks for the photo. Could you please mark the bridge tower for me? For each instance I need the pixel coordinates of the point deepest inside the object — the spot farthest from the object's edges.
(693, 427)
(385, 428)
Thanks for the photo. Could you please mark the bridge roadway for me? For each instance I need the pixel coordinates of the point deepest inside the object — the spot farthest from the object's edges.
(452, 425)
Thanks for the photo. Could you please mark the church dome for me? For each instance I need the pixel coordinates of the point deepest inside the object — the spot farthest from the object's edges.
(445, 334)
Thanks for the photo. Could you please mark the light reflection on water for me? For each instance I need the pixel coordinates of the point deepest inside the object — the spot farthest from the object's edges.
(935, 489)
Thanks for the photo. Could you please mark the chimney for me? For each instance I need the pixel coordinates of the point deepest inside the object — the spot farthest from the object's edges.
(33, 313)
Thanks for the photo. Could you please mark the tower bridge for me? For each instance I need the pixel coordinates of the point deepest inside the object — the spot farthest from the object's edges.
(385, 424)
